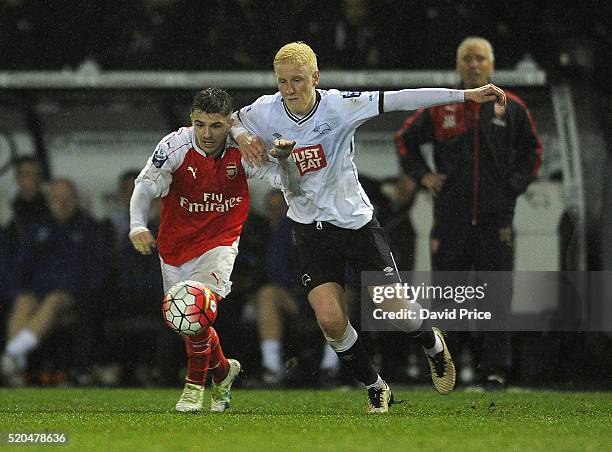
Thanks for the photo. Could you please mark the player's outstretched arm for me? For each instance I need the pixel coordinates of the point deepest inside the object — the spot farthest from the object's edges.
(413, 99)
(486, 93)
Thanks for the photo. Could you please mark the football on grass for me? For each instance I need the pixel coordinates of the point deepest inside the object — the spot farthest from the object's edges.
(189, 307)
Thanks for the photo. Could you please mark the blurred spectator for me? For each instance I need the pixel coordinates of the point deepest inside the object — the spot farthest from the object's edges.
(137, 337)
(383, 208)
(485, 156)
(140, 48)
(121, 216)
(308, 21)
(5, 262)
(236, 321)
(355, 37)
(399, 228)
(602, 72)
(250, 44)
(180, 34)
(60, 268)
(29, 206)
(5, 281)
(281, 302)
(400, 356)
(18, 37)
(184, 35)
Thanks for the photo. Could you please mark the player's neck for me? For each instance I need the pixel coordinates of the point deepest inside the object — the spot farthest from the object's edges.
(307, 109)
(217, 153)
(214, 154)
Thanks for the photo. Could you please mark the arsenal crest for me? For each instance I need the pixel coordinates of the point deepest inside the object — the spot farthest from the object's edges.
(231, 169)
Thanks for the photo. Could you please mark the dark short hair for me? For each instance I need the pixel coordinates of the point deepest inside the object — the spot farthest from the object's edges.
(213, 100)
(18, 161)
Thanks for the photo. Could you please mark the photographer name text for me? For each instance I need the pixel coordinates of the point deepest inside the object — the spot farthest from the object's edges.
(446, 314)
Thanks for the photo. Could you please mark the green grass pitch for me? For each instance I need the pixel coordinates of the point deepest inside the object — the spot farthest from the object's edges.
(305, 420)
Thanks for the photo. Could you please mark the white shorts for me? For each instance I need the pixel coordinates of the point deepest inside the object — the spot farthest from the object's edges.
(213, 269)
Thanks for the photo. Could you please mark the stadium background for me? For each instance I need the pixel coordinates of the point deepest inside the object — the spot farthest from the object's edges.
(90, 127)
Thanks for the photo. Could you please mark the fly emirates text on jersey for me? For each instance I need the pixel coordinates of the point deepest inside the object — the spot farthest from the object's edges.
(211, 202)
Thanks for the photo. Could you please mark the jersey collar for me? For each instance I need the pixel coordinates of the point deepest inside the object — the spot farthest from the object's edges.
(302, 120)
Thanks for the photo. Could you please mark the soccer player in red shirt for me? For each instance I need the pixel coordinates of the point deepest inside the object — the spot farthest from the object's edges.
(199, 174)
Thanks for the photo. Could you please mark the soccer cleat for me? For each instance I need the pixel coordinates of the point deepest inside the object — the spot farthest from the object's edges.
(12, 371)
(272, 380)
(442, 367)
(221, 392)
(495, 382)
(192, 398)
(379, 400)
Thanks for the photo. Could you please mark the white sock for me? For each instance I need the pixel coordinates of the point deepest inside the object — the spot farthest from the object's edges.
(378, 384)
(23, 343)
(271, 355)
(347, 340)
(437, 348)
(329, 361)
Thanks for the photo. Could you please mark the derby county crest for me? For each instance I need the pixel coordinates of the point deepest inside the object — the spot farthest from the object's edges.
(231, 169)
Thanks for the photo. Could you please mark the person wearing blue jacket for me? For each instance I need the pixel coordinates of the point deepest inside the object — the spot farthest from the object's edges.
(61, 261)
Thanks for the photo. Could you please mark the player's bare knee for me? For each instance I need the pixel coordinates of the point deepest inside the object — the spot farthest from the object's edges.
(269, 292)
(265, 303)
(24, 304)
(333, 328)
(331, 319)
(58, 300)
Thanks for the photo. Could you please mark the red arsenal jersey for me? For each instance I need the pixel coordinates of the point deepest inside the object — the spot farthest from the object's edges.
(205, 207)
(205, 200)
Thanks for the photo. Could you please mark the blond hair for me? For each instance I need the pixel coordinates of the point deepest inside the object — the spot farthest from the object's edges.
(296, 53)
(475, 40)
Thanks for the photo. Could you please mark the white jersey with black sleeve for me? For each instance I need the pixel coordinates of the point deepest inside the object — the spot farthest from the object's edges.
(329, 188)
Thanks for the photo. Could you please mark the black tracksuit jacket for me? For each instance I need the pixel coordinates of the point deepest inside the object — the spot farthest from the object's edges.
(488, 161)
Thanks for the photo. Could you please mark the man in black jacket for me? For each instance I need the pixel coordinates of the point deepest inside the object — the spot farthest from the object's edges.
(485, 156)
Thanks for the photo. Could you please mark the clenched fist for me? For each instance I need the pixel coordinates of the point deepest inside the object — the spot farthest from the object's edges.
(486, 93)
(282, 148)
(143, 242)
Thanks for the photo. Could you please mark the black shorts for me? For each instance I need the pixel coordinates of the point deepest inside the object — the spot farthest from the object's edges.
(328, 253)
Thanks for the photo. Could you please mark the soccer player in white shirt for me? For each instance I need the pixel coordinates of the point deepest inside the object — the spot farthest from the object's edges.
(199, 174)
(333, 215)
